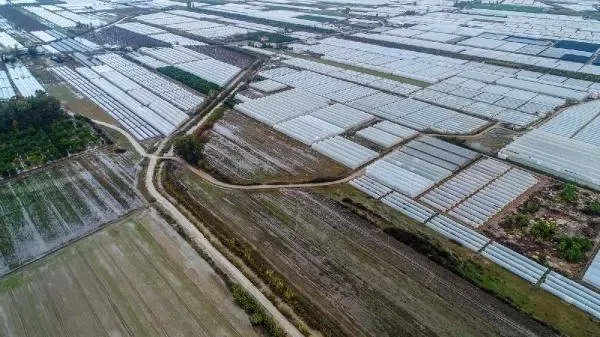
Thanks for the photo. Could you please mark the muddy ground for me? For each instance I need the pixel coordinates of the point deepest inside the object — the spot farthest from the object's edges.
(363, 280)
(241, 150)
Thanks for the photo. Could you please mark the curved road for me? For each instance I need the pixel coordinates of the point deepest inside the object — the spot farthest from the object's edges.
(194, 234)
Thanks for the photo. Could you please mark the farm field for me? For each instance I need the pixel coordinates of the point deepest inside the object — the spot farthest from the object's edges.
(362, 281)
(133, 278)
(46, 208)
(244, 151)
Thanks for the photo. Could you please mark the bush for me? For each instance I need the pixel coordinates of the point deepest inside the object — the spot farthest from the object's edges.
(516, 221)
(543, 229)
(569, 192)
(258, 317)
(530, 207)
(593, 208)
(573, 248)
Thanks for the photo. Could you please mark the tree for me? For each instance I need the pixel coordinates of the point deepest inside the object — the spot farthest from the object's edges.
(189, 147)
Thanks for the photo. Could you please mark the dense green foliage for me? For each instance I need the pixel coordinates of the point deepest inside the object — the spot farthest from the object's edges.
(36, 130)
(543, 229)
(23, 113)
(573, 248)
(190, 80)
(568, 193)
(189, 147)
(268, 37)
(258, 317)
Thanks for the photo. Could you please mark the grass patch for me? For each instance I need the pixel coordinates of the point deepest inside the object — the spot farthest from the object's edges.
(532, 300)
(191, 80)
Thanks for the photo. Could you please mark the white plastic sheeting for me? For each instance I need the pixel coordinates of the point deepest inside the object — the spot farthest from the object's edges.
(344, 151)
(282, 106)
(6, 89)
(211, 70)
(408, 207)
(130, 121)
(515, 262)
(458, 233)
(573, 293)
(379, 136)
(592, 274)
(396, 129)
(308, 129)
(464, 184)
(267, 86)
(490, 200)
(343, 116)
(157, 84)
(564, 157)
(370, 186)
(26, 84)
(8, 42)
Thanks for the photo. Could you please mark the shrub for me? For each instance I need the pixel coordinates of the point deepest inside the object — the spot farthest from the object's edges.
(573, 248)
(569, 192)
(530, 207)
(593, 208)
(516, 221)
(258, 317)
(543, 230)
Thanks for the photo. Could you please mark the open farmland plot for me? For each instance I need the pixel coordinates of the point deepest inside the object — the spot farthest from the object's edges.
(117, 36)
(362, 282)
(136, 278)
(242, 150)
(233, 57)
(21, 20)
(47, 208)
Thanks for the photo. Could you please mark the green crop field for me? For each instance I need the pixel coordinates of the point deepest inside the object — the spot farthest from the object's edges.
(45, 209)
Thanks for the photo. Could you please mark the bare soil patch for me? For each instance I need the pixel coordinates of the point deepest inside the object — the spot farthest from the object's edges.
(244, 151)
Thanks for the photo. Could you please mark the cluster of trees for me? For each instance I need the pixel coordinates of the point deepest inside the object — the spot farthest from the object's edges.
(191, 80)
(32, 112)
(36, 130)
